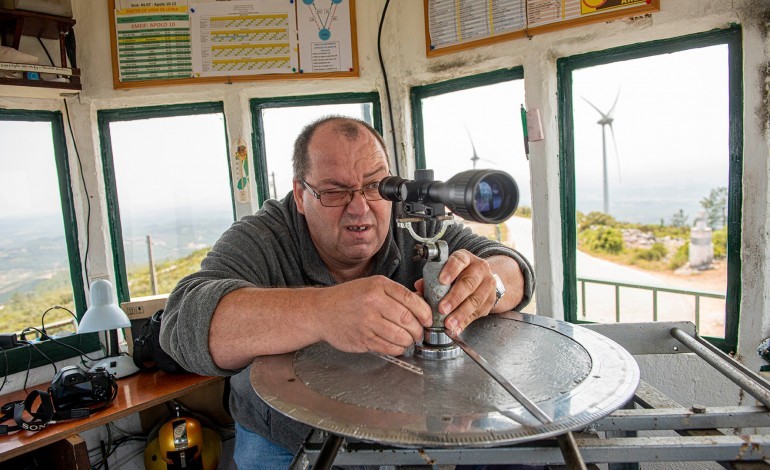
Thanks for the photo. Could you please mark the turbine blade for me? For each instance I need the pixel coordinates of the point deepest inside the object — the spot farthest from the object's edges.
(593, 106)
(474, 157)
(615, 144)
(614, 104)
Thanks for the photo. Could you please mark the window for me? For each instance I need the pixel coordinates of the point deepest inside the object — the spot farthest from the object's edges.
(278, 121)
(651, 183)
(475, 123)
(40, 263)
(169, 192)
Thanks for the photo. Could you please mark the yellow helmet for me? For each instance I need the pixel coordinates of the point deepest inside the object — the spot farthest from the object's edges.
(181, 441)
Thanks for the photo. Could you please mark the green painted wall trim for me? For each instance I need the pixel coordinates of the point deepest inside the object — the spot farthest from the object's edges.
(732, 38)
(418, 93)
(257, 124)
(104, 118)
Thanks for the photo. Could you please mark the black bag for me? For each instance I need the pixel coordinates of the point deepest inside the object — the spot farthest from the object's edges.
(147, 350)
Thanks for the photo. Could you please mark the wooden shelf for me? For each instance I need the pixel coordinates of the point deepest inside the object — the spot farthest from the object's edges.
(22, 88)
(17, 23)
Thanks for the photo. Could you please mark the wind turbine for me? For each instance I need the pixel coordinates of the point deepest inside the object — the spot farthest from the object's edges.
(605, 121)
(475, 156)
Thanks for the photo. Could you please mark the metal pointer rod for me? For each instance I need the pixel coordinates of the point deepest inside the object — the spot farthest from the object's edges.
(506, 384)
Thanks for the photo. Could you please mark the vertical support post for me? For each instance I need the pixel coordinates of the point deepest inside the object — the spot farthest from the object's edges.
(697, 312)
(153, 275)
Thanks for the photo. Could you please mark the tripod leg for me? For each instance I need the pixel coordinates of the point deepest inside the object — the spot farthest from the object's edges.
(328, 452)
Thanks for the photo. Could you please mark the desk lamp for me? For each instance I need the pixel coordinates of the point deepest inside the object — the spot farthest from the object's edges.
(103, 314)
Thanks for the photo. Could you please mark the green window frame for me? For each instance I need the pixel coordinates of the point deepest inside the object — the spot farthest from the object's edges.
(418, 93)
(257, 105)
(731, 37)
(104, 118)
(26, 357)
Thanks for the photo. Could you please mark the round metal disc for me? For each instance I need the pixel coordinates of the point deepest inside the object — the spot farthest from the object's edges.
(573, 374)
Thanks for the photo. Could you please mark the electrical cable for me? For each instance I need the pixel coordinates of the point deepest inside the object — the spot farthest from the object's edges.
(387, 88)
(113, 444)
(45, 49)
(44, 334)
(79, 351)
(29, 361)
(85, 190)
(55, 307)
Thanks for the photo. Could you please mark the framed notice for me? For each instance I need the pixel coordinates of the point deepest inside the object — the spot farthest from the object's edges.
(195, 41)
(452, 25)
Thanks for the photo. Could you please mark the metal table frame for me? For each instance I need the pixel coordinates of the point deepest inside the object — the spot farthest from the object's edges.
(612, 439)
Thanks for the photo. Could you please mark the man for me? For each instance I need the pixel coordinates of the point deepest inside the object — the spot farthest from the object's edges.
(326, 263)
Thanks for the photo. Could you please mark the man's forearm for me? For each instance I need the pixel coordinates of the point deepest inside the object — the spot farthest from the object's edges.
(251, 322)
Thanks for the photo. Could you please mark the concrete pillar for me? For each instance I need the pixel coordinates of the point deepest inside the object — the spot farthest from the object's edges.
(701, 247)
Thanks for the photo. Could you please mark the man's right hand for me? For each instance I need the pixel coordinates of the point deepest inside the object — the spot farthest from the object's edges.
(372, 314)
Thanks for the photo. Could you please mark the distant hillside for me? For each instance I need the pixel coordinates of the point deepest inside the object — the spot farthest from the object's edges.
(22, 310)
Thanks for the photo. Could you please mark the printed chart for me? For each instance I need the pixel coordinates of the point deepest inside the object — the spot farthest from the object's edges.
(153, 43)
(243, 38)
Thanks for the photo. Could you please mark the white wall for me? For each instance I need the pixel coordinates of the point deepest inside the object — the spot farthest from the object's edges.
(403, 46)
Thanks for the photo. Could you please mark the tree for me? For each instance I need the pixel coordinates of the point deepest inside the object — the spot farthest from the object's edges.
(679, 219)
(715, 206)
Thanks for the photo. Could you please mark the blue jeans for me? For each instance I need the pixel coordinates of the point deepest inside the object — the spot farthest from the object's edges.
(254, 452)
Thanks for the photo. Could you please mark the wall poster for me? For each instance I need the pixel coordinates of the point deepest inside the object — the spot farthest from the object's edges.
(157, 42)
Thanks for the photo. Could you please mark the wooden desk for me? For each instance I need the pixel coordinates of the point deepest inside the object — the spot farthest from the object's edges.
(135, 393)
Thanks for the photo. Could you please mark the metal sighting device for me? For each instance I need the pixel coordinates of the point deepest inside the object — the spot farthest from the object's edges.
(484, 196)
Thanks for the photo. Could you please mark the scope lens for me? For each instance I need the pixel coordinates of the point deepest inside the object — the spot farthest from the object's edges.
(495, 196)
(489, 197)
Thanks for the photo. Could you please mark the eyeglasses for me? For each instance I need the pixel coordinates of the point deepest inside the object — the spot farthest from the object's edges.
(342, 197)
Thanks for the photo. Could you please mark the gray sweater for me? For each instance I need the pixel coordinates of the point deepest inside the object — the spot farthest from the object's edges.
(273, 249)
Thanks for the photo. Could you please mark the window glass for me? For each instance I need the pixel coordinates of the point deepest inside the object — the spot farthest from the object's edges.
(651, 169)
(174, 196)
(480, 127)
(35, 269)
(281, 125)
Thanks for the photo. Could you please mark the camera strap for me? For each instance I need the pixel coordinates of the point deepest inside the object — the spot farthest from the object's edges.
(7, 415)
(41, 415)
(44, 413)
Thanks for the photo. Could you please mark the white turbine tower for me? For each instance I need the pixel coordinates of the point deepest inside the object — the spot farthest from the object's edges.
(605, 121)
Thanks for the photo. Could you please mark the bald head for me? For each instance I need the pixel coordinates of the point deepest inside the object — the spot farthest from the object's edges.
(350, 128)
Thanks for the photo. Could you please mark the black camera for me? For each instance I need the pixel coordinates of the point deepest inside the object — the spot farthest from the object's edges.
(486, 196)
(73, 387)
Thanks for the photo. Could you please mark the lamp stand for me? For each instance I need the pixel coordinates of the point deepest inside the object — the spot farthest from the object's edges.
(116, 364)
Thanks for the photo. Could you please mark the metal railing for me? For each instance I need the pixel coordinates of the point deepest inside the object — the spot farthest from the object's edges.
(582, 281)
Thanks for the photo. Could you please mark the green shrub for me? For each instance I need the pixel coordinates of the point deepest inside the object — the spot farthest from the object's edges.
(523, 211)
(719, 239)
(594, 219)
(602, 240)
(655, 253)
(681, 257)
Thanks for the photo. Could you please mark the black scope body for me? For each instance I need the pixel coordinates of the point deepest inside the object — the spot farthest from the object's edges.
(485, 196)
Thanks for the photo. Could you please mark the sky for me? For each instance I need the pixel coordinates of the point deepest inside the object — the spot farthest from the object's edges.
(670, 128)
(28, 181)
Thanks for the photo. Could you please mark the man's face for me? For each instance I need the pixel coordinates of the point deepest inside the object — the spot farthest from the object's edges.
(346, 237)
